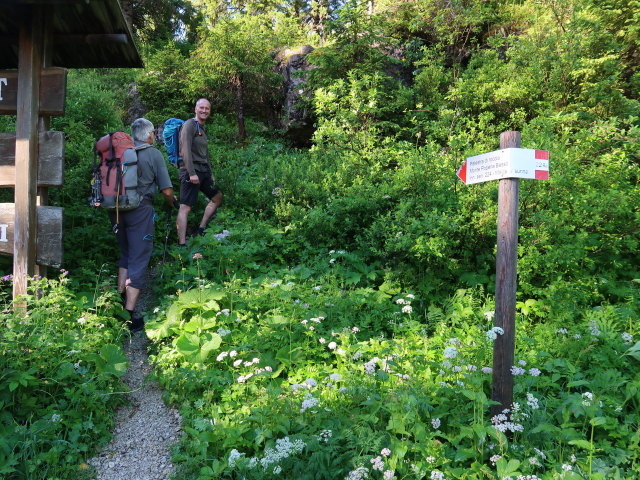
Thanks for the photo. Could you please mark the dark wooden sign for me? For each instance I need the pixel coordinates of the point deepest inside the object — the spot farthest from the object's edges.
(50, 159)
(48, 237)
(53, 85)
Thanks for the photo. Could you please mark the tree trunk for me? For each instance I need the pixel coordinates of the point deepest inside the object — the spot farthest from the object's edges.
(237, 82)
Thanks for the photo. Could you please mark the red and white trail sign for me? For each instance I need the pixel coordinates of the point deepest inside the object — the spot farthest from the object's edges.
(505, 163)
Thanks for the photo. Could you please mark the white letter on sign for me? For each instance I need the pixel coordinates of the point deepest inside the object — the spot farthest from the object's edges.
(3, 233)
(3, 81)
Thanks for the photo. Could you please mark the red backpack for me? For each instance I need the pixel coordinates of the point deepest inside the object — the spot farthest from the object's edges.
(115, 173)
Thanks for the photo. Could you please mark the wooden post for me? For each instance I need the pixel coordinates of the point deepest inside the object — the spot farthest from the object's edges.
(42, 193)
(29, 58)
(506, 282)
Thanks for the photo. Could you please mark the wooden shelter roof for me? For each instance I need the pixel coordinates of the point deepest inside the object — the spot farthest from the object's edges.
(84, 33)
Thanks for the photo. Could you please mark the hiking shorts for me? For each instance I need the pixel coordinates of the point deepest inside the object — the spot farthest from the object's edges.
(135, 239)
(189, 191)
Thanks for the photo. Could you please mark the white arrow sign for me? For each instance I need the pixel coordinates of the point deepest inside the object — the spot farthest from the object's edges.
(506, 163)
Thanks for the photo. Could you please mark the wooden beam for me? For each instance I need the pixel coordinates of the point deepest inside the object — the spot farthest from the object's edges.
(52, 88)
(50, 159)
(506, 283)
(29, 58)
(49, 250)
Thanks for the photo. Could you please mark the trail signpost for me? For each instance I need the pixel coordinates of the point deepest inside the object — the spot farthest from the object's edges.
(508, 165)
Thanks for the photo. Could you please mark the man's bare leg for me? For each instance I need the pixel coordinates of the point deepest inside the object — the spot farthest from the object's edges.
(132, 298)
(210, 209)
(181, 223)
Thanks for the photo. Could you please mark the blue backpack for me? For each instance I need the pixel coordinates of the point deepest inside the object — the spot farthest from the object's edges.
(171, 138)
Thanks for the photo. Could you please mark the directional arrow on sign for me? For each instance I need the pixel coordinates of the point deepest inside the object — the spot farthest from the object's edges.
(462, 172)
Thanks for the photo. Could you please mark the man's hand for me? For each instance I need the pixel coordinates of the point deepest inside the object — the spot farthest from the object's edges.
(194, 179)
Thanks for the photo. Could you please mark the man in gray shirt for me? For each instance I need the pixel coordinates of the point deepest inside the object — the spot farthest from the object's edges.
(195, 171)
(135, 227)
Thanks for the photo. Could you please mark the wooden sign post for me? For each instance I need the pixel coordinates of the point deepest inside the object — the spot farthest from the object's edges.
(31, 40)
(507, 165)
(31, 160)
(506, 283)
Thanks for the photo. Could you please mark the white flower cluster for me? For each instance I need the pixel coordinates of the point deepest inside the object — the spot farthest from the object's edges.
(494, 459)
(370, 366)
(593, 328)
(223, 332)
(234, 456)
(284, 448)
(224, 311)
(360, 473)
(435, 423)
(309, 402)
(377, 463)
(587, 398)
(532, 402)
(450, 352)
(493, 333)
(502, 423)
(406, 302)
(437, 475)
(515, 370)
(324, 436)
(627, 337)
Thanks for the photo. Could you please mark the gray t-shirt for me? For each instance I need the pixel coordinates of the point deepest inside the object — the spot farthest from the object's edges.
(152, 172)
(194, 148)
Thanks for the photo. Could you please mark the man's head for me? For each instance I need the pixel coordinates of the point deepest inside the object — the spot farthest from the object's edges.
(142, 130)
(203, 109)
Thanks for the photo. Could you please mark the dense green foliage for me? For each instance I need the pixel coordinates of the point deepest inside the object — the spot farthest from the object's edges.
(342, 299)
(59, 384)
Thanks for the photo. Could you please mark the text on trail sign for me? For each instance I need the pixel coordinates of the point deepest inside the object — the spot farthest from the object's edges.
(505, 163)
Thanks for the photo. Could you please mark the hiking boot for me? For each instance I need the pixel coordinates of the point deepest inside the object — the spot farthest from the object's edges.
(136, 324)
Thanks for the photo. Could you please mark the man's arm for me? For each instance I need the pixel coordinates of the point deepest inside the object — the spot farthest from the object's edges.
(169, 198)
(186, 144)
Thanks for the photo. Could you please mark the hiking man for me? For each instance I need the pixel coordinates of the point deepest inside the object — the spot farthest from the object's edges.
(195, 171)
(135, 227)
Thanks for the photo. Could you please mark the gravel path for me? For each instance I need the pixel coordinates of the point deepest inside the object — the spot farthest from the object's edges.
(145, 428)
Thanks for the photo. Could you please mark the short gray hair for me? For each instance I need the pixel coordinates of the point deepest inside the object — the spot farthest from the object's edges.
(141, 128)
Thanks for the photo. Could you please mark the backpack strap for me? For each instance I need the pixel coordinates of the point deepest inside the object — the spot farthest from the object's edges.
(111, 149)
(198, 128)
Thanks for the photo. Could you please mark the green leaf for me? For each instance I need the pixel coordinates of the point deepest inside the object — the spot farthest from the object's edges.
(581, 444)
(289, 356)
(198, 323)
(506, 469)
(111, 360)
(545, 427)
(634, 351)
(277, 320)
(195, 348)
